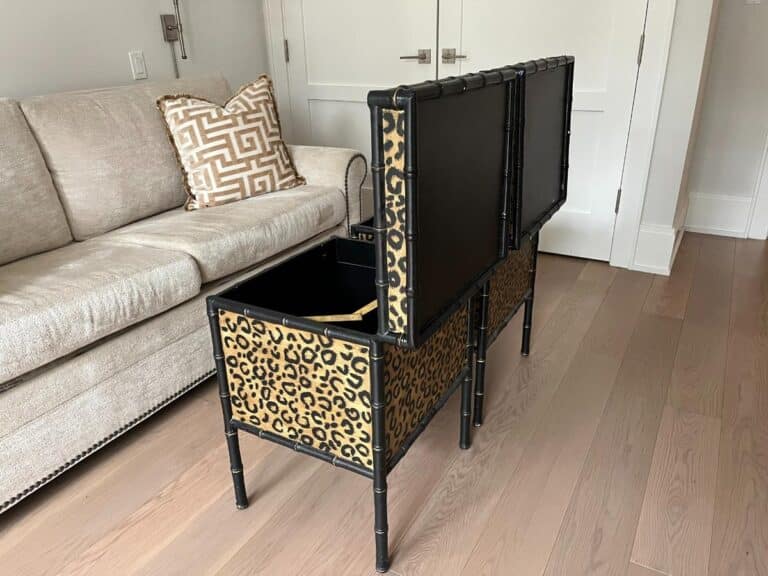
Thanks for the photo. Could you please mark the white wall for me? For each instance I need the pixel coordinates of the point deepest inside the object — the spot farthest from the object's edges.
(55, 45)
(678, 114)
(678, 106)
(733, 136)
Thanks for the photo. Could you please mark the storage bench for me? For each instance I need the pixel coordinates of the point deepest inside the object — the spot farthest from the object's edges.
(305, 376)
(346, 351)
(300, 363)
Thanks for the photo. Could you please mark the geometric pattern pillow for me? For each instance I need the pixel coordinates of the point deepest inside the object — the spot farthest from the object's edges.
(232, 152)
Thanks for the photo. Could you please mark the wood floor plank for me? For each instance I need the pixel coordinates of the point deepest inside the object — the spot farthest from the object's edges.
(204, 543)
(697, 380)
(669, 294)
(109, 488)
(636, 570)
(740, 534)
(555, 276)
(746, 393)
(598, 529)
(453, 518)
(287, 540)
(129, 544)
(675, 529)
(519, 534)
(408, 487)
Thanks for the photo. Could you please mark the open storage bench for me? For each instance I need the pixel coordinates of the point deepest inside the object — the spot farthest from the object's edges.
(305, 376)
(346, 351)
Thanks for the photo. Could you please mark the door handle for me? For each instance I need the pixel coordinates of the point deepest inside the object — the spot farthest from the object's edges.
(424, 56)
(449, 56)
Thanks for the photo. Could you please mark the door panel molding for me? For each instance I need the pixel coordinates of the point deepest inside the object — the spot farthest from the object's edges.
(326, 97)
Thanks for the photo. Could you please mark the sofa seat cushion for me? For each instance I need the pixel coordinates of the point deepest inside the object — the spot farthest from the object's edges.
(228, 238)
(55, 303)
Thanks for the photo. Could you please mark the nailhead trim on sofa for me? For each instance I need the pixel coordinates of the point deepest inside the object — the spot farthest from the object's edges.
(104, 441)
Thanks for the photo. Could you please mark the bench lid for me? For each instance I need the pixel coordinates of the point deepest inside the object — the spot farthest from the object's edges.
(456, 171)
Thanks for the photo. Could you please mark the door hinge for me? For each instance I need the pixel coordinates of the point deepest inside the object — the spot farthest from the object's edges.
(640, 49)
(618, 202)
(285, 51)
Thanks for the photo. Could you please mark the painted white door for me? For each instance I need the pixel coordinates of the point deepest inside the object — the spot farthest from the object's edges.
(604, 37)
(341, 49)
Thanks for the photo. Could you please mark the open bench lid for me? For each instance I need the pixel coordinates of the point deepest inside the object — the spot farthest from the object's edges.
(463, 168)
(440, 155)
(541, 117)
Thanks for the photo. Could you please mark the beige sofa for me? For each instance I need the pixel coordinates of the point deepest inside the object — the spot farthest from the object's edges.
(103, 274)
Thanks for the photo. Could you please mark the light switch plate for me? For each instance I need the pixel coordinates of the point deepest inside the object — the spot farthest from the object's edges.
(138, 65)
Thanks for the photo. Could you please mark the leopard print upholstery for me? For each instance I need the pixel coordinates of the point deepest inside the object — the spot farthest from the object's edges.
(394, 217)
(299, 385)
(509, 284)
(416, 379)
(317, 390)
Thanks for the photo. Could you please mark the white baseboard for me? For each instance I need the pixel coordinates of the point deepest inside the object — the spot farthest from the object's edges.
(758, 229)
(656, 248)
(719, 214)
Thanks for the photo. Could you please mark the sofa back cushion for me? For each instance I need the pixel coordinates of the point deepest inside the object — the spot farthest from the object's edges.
(31, 217)
(108, 151)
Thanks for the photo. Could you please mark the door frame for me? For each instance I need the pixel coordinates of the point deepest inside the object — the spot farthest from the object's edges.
(642, 132)
(278, 67)
(649, 88)
(757, 226)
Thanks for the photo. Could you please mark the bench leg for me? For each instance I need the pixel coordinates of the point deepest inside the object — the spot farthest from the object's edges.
(236, 465)
(233, 445)
(528, 318)
(482, 345)
(380, 526)
(465, 435)
(230, 432)
(527, 323)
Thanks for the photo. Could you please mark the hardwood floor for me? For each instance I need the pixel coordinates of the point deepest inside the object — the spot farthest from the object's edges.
(633, 441)
(675, 529)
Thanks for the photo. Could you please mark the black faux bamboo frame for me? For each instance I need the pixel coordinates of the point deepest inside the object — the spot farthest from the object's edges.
(524, 71)
(405, 99)
(475, 295)
(381, 467)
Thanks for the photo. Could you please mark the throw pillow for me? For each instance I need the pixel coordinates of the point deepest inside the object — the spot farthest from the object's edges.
(232, 152)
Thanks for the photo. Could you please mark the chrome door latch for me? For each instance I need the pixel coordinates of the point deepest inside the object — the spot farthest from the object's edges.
(423, 56)
(449, 56)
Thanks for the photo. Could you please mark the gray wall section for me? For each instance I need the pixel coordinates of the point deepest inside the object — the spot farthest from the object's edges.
(55, 45)
(686, 68)
(734, 125)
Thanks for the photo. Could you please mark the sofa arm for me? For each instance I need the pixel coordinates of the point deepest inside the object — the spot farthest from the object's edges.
(342, 168)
